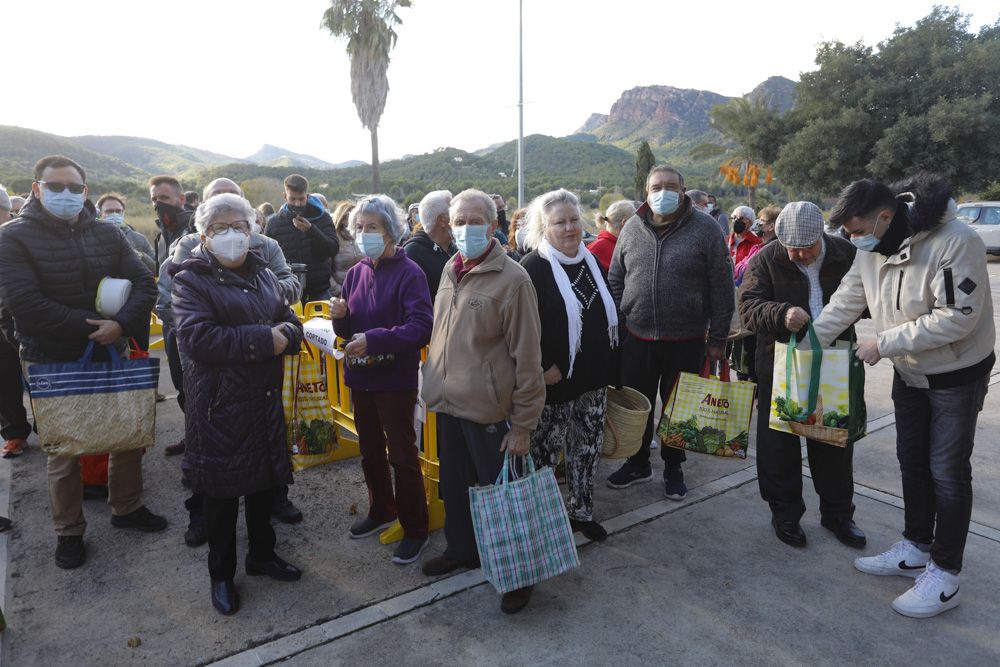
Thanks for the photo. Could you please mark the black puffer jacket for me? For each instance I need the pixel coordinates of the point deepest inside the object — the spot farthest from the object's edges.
(168, 234)
(234, 423)
(49, 273)
(314, 247)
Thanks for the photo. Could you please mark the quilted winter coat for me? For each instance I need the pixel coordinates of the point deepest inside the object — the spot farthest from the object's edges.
(234, 422)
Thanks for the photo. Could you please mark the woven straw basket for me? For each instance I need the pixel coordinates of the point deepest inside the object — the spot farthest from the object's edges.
(624, 422)
(827, 434)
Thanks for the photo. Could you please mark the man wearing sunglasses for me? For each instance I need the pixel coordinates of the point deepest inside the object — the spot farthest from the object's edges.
(51, 261)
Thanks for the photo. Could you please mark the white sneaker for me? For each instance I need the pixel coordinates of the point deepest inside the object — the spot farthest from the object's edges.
(903, 559)
(935, 591)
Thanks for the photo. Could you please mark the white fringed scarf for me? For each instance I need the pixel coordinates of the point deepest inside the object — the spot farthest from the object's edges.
(574, 309)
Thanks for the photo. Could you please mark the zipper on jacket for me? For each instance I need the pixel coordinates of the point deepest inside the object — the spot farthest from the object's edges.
(899, 288)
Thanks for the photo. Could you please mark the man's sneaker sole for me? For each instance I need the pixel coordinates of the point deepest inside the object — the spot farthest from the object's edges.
(406, 561)
(631, 482)
(945, 606)
(377, 529)
(675, 496)
(897, 572)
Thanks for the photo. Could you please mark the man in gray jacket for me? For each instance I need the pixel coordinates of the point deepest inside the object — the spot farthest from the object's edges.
(672, 278)
(922, 273)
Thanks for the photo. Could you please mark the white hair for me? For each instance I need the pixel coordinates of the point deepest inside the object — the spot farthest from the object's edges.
(619, 213)
(393, 220)
(699, 197)
(743, 212)
(489, 206)
(538, 212)
(433, 205)
(209, 209)
(209, 190)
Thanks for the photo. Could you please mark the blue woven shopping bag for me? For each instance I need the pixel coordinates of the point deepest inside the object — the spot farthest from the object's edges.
(522, 530)
(91, 407)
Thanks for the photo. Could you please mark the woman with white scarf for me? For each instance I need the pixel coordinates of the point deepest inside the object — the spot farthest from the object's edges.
(579, 349)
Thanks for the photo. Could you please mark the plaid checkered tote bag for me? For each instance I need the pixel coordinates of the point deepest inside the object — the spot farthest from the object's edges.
(522, 529)
(708, 414)
(87, 407)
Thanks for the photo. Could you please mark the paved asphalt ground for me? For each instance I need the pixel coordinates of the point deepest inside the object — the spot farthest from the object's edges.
(702, 582)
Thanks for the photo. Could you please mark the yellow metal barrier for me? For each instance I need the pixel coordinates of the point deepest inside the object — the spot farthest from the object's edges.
(343, 410)
(155, 329)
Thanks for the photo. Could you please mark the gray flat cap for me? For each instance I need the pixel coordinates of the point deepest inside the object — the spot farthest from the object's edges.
(799, 225)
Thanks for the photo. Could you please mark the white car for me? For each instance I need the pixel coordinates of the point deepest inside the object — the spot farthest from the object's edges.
(984, 216)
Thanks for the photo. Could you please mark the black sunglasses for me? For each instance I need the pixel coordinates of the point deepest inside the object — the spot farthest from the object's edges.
(75, 188)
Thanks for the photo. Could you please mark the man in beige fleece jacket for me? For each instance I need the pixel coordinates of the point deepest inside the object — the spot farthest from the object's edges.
(483, 374)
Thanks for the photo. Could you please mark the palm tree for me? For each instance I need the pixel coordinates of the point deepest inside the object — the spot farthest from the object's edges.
(369, 27)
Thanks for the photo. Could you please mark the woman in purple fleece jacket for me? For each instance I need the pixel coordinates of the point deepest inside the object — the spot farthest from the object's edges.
(385, 315)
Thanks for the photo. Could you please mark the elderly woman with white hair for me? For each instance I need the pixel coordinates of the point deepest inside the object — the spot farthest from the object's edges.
(742, 240)
(613, 220)
(432, 246)
(233, 326)
(384, 311)
(579, 343)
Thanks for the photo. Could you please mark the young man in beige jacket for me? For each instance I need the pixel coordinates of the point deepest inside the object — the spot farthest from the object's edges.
(483, 374)
(923, 276)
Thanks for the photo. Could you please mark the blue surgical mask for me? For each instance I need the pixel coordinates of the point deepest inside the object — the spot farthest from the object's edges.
(117, 218)
(472, 240)
(372, 244)
(868, 242)
(64, 205)
(664, 202)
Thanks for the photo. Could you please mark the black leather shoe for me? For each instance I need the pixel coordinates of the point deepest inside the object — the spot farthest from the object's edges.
(196, 533)
(590, 529)
(141, 519)
(445, 564)
(515, 601)
(846, 531)
(70, 552)
(284, 511)
(789, 532)
(224, 597)
(274, 568)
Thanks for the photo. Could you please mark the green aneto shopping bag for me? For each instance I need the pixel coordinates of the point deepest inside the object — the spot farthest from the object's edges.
(819, 393)
(312, 431)
(708, 415)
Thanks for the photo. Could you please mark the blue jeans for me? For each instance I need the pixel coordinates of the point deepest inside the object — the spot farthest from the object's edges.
(935, 431)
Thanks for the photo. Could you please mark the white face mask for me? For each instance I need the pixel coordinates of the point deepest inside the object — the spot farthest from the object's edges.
(231, 246)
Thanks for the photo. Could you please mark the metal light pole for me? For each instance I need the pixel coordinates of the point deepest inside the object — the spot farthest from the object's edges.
(520, 103)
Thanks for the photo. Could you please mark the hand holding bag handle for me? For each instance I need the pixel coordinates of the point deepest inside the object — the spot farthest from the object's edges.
(508, 473)
(706, 370)
(814, 370)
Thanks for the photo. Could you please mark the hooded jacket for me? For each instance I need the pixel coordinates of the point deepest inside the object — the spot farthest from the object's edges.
(234, 423)
(930, 300)
(314, 247)
(430, 257)
(676, 286)
(49, 274)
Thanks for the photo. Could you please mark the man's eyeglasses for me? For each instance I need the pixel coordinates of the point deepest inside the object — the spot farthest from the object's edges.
(221, 227)
(75, 188)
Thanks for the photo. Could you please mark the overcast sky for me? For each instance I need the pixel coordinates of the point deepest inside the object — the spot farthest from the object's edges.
(231, 75)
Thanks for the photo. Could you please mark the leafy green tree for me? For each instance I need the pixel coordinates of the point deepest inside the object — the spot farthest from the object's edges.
(644, 162)
(369, 27)
(928, 97)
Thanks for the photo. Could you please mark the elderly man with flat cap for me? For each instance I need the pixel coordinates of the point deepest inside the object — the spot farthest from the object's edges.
(786, 284)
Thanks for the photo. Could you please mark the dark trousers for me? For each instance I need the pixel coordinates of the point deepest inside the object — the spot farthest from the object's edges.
(469, 455)
(651, 366)
(935, 431)
(142, 337)
(220, 519)
(174, 362)
(779, 469)
(385, 419)
(13, 416)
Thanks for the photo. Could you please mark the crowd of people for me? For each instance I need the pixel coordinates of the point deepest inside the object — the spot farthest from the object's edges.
(526, 325)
